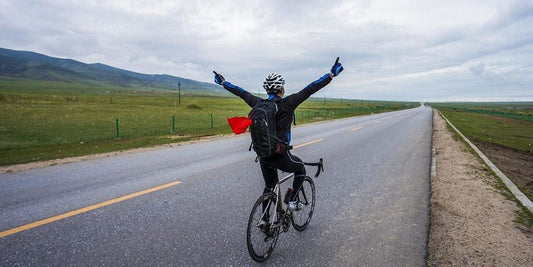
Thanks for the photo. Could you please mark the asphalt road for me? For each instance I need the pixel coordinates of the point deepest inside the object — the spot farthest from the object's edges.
(372, 202)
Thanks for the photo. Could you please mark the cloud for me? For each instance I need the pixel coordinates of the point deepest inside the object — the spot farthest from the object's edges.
(395, 50)
(478, 70)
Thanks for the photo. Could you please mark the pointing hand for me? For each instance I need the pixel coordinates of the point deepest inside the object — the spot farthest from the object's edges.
(337, 68)
(219, 79)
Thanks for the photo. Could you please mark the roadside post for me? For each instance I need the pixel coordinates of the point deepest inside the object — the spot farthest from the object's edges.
(116, 122)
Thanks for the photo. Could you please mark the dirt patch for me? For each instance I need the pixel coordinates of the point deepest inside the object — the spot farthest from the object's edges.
(471, 222)
(176, 137)
(517, 165)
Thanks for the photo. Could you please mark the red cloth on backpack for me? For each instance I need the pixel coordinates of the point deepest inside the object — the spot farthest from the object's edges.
(239, 124)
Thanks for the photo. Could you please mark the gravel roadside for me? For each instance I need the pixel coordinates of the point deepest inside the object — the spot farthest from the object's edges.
(471, 223)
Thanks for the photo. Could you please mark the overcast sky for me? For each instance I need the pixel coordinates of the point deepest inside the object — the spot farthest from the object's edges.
(476, 50)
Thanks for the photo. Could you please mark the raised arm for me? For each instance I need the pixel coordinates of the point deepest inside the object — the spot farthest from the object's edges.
(250, 99)
(297, 98)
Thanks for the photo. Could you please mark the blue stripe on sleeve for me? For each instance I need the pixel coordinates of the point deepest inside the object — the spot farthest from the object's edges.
(321, 79)
(231, 86)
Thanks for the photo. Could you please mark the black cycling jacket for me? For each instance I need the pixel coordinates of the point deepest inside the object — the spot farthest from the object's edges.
(286, 105)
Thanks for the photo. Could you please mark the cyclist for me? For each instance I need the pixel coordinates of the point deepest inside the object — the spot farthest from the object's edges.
(274, 86)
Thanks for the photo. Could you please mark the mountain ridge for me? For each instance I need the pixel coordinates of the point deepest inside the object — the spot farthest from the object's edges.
(35, 66)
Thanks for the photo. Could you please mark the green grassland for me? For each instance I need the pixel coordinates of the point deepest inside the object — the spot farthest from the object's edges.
(506, 130)
(515, 110)
(47, 120)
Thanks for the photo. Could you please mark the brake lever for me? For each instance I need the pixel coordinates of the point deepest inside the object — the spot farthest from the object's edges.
(319, 168)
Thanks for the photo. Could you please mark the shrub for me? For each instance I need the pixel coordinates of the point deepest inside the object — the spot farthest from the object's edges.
(193, 106)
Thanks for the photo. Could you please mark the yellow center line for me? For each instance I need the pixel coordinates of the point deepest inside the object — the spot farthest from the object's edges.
(356, 128)
(308, 143)
(83, 210)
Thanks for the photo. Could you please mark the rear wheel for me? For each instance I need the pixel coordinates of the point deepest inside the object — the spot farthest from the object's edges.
(306, 195)
(261, 239)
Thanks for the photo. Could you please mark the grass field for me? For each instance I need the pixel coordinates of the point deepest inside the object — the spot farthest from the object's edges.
(502, 130)
(49, 120)
(515, 110)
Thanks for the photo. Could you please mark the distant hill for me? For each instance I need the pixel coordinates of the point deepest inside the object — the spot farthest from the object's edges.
(35, 66)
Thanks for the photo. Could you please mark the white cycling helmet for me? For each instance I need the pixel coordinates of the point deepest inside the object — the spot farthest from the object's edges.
(273, 83)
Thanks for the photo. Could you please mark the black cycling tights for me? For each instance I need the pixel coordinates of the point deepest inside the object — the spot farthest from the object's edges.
(285, 162)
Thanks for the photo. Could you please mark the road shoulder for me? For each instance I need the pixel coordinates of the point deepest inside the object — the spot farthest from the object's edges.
(471, 222)
(60, 161)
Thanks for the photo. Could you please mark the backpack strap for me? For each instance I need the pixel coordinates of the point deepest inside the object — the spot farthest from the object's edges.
(273, 100)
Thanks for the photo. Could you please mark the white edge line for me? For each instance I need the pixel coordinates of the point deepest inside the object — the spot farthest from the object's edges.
(433, 163)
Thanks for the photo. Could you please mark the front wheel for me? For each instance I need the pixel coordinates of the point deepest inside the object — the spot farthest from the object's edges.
(306, 195)
(261, 237)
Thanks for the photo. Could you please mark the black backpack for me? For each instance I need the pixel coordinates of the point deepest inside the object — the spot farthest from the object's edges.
(265, 141)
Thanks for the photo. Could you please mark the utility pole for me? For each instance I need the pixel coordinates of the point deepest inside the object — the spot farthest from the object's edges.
(179, 93)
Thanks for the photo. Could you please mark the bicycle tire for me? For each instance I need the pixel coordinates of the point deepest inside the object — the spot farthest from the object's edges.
(261, 241)
(300, 219)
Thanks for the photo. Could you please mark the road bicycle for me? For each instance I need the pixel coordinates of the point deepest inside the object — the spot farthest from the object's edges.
(270, 215)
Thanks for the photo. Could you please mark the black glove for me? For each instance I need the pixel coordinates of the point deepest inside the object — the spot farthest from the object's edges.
(219, 79)
(337, 68)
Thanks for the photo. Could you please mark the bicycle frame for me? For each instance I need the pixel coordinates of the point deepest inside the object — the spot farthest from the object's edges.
(277, 192)
(277, 188)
